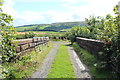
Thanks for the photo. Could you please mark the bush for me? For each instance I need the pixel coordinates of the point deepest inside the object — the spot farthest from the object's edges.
(107, 30)
(29, 35)
(97, 68)
(19, 36)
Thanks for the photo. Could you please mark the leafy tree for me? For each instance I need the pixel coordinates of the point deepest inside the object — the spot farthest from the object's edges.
(106, 29)
(7, 31)
(7, 46)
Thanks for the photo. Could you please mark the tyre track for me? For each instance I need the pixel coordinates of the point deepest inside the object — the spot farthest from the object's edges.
(43, 70)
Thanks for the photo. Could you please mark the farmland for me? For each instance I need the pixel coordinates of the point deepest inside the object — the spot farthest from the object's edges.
(54, 27)
(83, 49)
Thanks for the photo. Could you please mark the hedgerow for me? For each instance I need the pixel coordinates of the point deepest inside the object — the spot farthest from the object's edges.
(106, 29)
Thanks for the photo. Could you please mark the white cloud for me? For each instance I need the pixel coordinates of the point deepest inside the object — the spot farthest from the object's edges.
(75, 13)
(9, 2)
(96, 7)
(30, 17)
(68, 1)
(72, 1)
(27, 17)
(37, 0)
(8, 7)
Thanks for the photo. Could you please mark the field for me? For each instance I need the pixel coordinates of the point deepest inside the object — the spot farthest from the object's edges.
(38, 32)
(104, 64)
(31, 34)
(54, 27)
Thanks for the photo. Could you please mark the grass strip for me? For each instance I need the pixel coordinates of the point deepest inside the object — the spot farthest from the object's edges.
(28, 63)
(91, 62)
(62, 66)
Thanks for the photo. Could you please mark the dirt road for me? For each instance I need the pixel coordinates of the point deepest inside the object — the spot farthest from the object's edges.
(79, 68)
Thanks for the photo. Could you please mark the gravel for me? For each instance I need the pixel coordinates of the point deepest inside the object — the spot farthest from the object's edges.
(80, 69)
(46, 64)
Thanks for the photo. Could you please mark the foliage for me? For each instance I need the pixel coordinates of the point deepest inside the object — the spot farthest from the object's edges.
(106, 29)
(28, 63)
(7, 31)
(29, 34)
(19, 36)
(92, 63)
(7, 46)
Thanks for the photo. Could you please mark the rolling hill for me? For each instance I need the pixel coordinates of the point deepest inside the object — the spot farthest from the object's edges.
(56, 27)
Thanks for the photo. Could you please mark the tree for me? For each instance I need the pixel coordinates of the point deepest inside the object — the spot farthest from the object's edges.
(7, 31)
(108, 30)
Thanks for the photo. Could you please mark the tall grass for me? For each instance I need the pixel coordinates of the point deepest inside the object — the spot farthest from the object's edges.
(92, 63)
(28, 63)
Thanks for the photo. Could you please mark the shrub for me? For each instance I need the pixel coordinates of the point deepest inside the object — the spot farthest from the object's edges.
(29, 35)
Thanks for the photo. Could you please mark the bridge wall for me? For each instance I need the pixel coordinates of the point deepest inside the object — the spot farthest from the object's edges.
(93, 46)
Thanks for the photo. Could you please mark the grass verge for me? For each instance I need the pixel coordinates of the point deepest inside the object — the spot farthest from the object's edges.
(28, 63)
(91, 62)
(62, 66)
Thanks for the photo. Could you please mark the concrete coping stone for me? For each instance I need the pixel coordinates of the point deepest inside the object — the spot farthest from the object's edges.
(91, 40)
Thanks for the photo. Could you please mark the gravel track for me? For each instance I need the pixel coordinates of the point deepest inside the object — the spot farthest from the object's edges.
(43, 70)
(80, 69)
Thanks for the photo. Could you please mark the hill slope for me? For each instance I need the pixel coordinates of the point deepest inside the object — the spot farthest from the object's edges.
(62, 26)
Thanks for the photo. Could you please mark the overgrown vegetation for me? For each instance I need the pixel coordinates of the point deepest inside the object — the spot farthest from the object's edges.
(62, 66)
(13, 67)
(100, 28)
(7, 31)
(107, 30)
(29, 35)
(7, 46)
(27, 64)
(92, 63)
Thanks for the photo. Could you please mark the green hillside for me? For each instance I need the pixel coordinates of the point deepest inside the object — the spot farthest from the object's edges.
(62, 26)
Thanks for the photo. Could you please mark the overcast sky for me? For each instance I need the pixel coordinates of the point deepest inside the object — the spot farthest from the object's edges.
(49, 11)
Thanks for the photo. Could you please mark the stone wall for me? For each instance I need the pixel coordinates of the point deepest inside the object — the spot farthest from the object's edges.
(93, 46)
(27, 45)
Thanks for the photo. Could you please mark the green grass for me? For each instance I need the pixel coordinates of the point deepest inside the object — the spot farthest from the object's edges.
(66, 29)
(62, 66)
(90, 60)
(25, 28)
(28, 63)
(44, 27)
